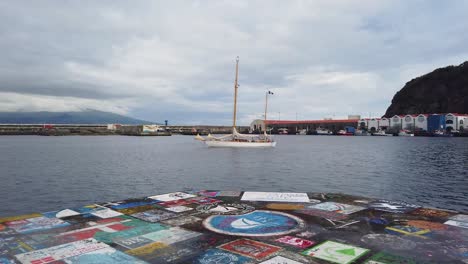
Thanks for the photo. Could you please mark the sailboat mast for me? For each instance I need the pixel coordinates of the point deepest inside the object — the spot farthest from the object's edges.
(235, 93)
(266, 109)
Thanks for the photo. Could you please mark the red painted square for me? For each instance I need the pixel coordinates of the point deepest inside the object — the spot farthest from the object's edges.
(295, 241)
(250, 248)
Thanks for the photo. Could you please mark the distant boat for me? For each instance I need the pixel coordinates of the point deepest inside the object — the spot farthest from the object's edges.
(361, 133)
(237, 140)
(344, 133)
(382, 133)
(405, 133)
(283, 131)
(302, 132)
(441, 133)
(323, 132)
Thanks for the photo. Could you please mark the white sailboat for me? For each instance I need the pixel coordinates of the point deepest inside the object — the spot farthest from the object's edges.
(237, 140)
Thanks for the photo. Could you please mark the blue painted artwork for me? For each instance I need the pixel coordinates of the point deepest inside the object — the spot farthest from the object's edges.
(220, 256)
(4, 260)
(257, 223)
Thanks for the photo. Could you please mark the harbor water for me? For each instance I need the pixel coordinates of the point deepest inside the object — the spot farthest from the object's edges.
(45, 173)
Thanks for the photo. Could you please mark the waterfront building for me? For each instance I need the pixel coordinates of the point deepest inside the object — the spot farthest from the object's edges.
(373, 124)
(435, 122)
(396, 122)
(408, 122)
(384, 123)
(453, 121)
(296, 126)
(420, 122)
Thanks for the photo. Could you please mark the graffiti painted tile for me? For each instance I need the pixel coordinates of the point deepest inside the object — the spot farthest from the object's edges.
(147, 250)
(409, 231)
(14, 245)
(90, 232)
(179, 209)
(105, 213)
(131, 204)
(336, 252)
(174, 203)
(18, 217)
(250, 248)
(6, 260)
(215, 256)
(171, 235)
(275, 197)
(61, 252)
(337, 207)
(323, 214)
(386, 258)
(105, 255)
(172, 196)
(393, 206)
(429, 212)
(233, 208)
(36, 224)
(285, 206)
(133, 242)
(280, 260)
(61, 213)
(229, 193)
(208, 193)
(173, 254)
(154, 215)
(295, 241)
(204, 200)
(457, 223)
(136, 209)
(110, 237)
(460, 218)
(388, 241)
(427, 225)
(257, 223)
(182, 220)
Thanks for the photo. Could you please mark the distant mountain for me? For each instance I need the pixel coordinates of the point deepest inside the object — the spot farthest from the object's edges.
(444, 90)
(84, 117)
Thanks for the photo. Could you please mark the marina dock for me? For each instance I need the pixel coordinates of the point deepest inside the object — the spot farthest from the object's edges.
(238, 227)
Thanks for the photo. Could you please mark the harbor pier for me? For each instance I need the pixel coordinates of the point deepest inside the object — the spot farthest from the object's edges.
(210, 226)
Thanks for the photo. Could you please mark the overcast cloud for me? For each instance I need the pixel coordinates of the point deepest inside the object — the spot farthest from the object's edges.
(175, 59)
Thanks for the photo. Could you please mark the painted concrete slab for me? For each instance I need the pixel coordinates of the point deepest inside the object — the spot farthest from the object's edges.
(216, 227)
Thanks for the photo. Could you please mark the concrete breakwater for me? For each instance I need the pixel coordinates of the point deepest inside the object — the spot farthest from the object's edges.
(212, 226)
(105, 129)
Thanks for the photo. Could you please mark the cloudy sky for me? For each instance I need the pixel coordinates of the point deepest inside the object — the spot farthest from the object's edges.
(175, 60)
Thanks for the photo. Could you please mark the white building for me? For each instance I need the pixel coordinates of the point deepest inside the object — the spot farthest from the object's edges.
(373, 124)
(454, 121)
(421, 122)
(463, 124)
(384, 123)
(396, 122)
(257, 125)
(363, 123)
(408, 122)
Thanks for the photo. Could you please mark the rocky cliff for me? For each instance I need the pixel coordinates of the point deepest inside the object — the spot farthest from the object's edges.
(444, 90)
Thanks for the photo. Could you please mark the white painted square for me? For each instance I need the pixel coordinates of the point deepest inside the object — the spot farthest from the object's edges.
(179, 209)
(280, 260)
(172, 196)
(275, 197)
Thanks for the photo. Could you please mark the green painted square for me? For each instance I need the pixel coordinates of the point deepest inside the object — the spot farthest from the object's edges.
(336, 252)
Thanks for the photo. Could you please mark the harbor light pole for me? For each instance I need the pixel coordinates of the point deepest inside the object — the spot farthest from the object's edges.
(266, 110)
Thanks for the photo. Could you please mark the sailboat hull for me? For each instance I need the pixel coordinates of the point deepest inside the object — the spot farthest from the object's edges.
(235, 144)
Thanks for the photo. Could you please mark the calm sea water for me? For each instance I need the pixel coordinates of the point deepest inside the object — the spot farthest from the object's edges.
(49, 173)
